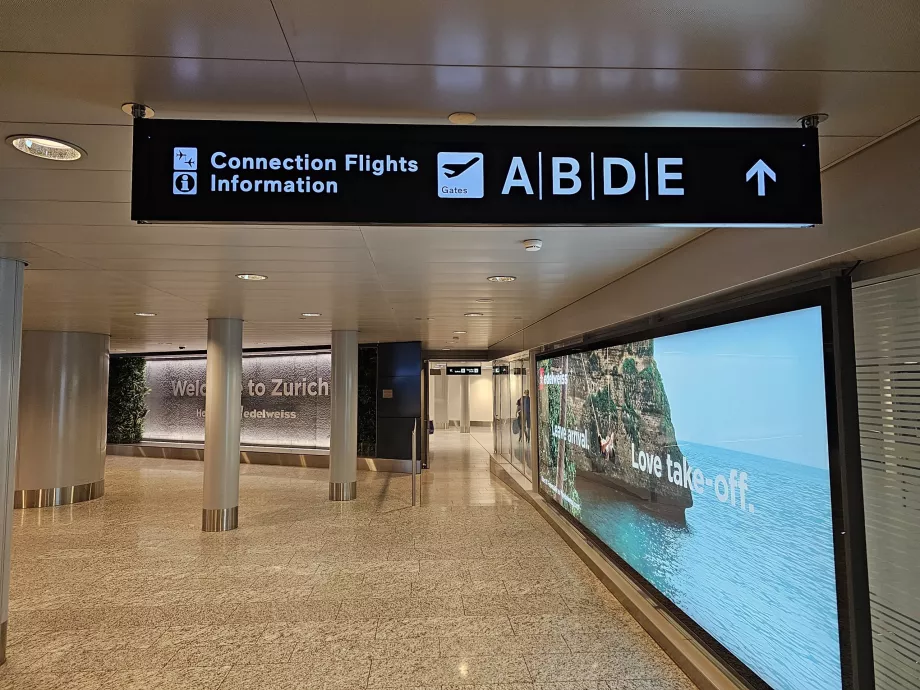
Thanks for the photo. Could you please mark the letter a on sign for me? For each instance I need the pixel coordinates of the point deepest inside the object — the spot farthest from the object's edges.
(517, 176)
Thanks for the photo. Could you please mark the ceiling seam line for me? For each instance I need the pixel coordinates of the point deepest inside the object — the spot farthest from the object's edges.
(877, 140)
(602, 287)
(459, 64)
(293, 60)
(380, 283)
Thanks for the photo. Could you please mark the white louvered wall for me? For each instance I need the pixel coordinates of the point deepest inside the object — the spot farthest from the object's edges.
(887, 326)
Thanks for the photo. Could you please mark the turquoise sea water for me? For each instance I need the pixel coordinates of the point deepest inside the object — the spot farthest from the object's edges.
(762, 583)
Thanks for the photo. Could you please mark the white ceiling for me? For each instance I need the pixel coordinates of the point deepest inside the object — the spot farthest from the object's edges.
(66, 66)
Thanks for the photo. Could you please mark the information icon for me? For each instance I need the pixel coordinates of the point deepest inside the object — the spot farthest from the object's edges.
(185, 183)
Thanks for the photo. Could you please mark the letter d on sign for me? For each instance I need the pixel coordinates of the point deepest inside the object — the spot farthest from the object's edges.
(609, 189)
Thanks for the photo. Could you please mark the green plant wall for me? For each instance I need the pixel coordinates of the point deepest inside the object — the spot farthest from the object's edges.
(127, 390)
(367, 401)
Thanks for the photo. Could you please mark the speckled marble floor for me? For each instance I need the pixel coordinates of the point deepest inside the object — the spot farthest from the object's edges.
(470, 589)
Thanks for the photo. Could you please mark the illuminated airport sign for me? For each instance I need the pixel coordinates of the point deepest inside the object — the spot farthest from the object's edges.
(464, 371)
(282, 172)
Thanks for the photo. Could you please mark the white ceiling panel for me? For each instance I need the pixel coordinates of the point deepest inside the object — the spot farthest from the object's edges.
(860, 104)
(187, 28)
(708, 34)
(91, 88)
(108, 147)
(181, 235)
(67, 66)
(20, 184)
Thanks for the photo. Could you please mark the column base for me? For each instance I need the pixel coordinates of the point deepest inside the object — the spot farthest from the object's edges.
(3, 630)
(219, 519)
(63, 496)
(343, 491)
(464, 429)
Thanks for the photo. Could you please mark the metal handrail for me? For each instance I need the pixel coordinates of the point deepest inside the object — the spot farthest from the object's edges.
(414, 459)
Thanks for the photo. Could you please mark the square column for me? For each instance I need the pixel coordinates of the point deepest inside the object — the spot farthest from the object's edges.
(343, 442)
(10, 347)
(222, 412)
(464, 404)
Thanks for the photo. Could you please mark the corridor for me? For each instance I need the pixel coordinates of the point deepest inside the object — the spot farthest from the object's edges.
(472, 588)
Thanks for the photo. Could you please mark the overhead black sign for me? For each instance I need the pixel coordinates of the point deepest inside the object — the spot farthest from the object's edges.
(464, 371)
(283, 172)
(500, 369)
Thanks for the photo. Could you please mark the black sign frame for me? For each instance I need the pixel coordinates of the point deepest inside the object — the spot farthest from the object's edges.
(464, 371)
(198, 171)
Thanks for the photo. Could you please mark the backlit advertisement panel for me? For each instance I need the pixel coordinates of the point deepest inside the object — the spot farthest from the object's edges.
(701, 459)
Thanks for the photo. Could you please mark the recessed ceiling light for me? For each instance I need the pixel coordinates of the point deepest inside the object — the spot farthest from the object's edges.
(462, 118)
(145, 313)
(445, 349)
(459, 332)
(533, 245)
(473, 313)
(502, 279)
(45, 147)
(311, 313)
(251, 276)
(137, 110)
(485, 300)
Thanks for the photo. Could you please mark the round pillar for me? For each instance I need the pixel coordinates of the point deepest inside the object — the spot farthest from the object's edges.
(343, 441)
(10, 343)
(222, 413)
(464, 404)
(63, 394)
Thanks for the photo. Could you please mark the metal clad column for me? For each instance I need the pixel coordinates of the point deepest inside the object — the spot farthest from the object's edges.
(223, 405)
(10, 343)
(62, 421)
(343, 444)
(464, 404)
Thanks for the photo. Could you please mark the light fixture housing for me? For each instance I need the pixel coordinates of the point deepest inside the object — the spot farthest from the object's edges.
(145, 313)
(48, 148)
(462, 118)
(138, 111)
(473, 313)
(502, 279)
(309, 314)
(445, 349)
(485, 300)
(533, 245)
(459, 332)
(251, 276)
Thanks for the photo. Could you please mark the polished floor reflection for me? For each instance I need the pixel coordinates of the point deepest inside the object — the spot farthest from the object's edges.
(472, 588)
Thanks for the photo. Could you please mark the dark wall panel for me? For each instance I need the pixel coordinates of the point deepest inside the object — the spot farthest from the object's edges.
(399, 371)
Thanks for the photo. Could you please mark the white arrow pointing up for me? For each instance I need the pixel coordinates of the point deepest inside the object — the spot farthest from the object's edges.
(762, 170)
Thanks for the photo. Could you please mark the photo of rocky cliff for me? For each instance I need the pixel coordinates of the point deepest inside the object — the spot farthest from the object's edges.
(616, 397)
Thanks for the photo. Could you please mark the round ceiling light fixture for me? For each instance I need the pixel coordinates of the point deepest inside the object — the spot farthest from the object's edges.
(502, 279)
(251, 276)
(459, 332)
(309, 314)
(462, 118)
(445, 349)
(533, 245)
(145, 313)
(485, 300)
(138, 111)
(46, 147)
(473, 313)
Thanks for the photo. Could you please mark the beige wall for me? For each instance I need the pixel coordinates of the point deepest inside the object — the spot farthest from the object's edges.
(871, 207)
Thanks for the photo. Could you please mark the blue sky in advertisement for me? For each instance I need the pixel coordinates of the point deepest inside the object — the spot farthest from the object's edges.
(756, 386)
